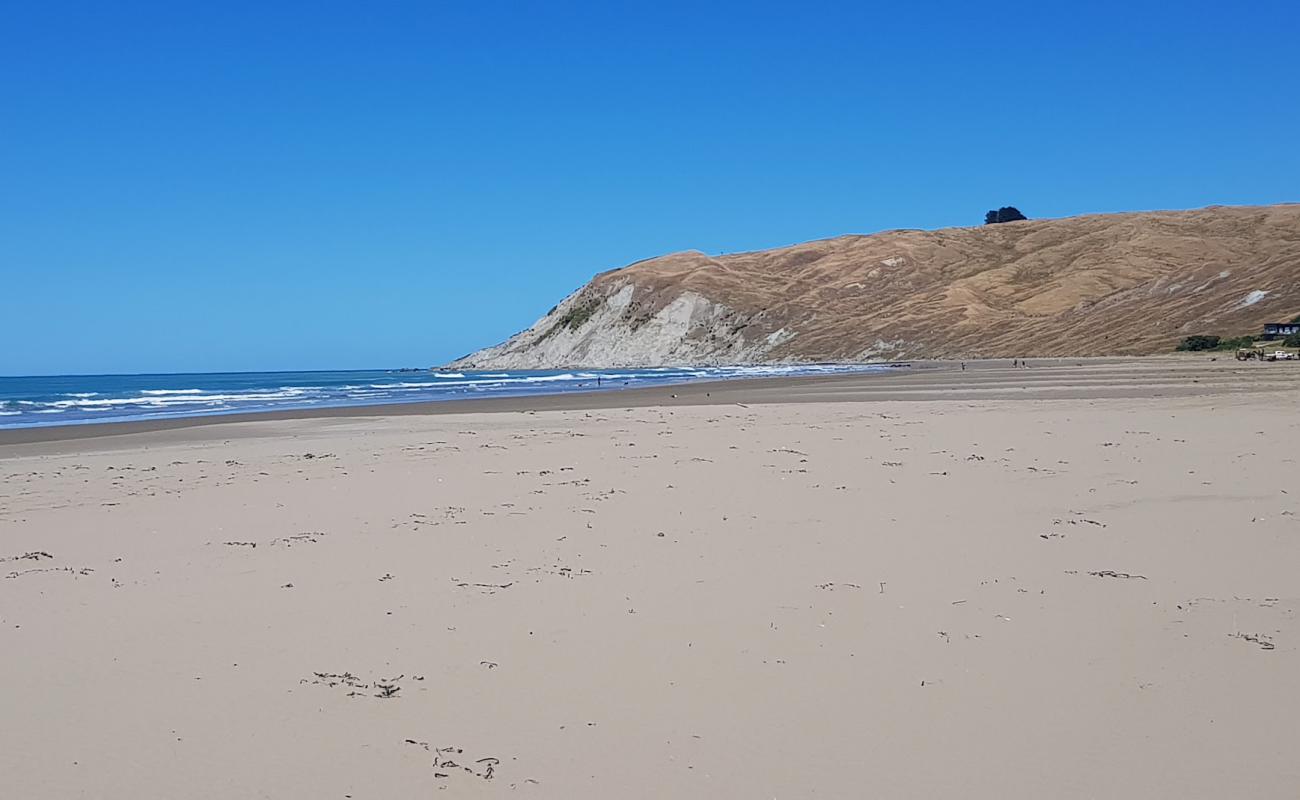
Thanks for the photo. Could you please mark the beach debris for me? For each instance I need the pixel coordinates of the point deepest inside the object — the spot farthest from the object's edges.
(287, 541)
(445, 762)
(333, 679)
(832, 586)
(387, 688)
(570, 572)
(574, 482)
(73, 570)
(489, 587)
(297, 538)
(1078, 521)
(450, 513)
(1110, 573)
(387, 576)
(489, 664)
(35, 555)
(1264, 642)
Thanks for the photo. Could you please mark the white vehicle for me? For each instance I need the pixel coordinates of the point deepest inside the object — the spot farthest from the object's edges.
(1282, 355)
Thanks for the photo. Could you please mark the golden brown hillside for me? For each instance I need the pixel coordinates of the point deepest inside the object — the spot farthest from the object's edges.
(1091, 285)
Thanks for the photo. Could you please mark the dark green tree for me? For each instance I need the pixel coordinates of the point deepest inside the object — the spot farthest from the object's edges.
(1004, 214)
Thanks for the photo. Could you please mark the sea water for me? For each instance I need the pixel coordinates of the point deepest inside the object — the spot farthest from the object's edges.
(77, 399)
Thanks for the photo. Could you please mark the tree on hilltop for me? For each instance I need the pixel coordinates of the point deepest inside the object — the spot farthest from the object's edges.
(1004, 214)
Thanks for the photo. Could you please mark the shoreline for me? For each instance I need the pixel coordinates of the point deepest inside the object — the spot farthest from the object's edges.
(59, 430)
(1046, 379)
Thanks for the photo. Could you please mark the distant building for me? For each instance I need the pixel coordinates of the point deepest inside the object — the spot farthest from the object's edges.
(1277, 330)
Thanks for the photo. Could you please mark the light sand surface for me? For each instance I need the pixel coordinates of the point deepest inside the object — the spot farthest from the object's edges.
(1078, 589)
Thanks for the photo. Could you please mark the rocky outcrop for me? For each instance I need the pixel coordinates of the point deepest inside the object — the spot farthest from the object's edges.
(1092, 285)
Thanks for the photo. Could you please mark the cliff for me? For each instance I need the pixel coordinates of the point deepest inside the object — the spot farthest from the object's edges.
(1090, 285)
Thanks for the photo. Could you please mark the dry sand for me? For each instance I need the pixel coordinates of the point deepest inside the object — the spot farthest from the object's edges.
(1070, 589)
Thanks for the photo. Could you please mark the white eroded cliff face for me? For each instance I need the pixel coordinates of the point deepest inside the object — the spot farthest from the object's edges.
(591, 329)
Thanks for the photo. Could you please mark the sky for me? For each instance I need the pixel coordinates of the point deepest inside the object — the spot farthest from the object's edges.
(190, 187)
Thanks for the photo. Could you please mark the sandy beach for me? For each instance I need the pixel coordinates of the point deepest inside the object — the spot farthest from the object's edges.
(1076, 580)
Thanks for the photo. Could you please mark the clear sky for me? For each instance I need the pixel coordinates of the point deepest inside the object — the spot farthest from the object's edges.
(194, 186)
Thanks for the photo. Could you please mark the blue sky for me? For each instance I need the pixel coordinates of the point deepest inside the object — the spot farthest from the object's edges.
(243, 186)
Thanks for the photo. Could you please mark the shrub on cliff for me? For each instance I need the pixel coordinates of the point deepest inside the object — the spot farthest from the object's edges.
(1194, 343)
(1233, 344)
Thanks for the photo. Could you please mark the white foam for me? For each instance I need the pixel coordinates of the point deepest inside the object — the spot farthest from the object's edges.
(9, 413)
(168, 400)
(448, 374)
(221, 398)
(162, 392)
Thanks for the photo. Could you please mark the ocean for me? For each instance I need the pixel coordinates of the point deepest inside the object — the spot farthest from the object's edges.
(83, 399)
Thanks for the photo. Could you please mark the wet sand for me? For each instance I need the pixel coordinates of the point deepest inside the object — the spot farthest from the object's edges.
(1074, 581)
